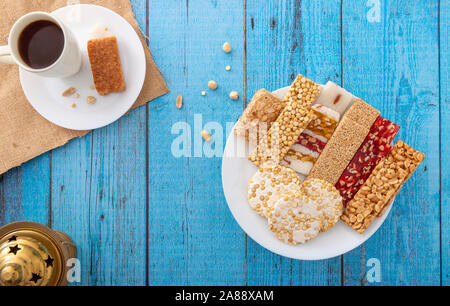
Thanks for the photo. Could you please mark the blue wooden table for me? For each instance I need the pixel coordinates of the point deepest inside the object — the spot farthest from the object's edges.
(141, 216)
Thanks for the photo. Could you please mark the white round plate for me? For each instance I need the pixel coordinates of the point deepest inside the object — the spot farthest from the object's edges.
(45, 96)
(236, 173)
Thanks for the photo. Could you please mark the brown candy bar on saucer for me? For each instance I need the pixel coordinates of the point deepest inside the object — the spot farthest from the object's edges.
(106, 67)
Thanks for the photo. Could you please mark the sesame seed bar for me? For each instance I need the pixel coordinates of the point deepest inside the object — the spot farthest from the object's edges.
(339, 151)
(382, 186)
(345, 142)
(294, 118)
(264, 107)
(362, 113)
(106, 67)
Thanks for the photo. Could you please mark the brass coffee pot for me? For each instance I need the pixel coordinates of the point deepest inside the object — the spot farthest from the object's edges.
(32, 254)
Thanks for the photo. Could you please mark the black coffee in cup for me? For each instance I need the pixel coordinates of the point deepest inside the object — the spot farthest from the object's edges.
(41, 44)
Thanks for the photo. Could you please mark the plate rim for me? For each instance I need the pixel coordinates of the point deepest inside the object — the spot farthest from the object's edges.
(263, 243)
(133, 97)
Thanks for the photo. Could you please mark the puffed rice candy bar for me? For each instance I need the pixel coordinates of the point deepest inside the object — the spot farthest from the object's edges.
(294, 118)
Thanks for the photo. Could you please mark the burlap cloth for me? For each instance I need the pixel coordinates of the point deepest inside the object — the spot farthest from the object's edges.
(24, 134)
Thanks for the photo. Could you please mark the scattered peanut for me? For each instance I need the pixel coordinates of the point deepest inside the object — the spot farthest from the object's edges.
(91, 100)
(212, 85)
(68, 92)
(226, 47)
(74, 105)
(234, 95)
(228, 68)
(203, 93)
(179, 101)
(76, 95)
(206, 136)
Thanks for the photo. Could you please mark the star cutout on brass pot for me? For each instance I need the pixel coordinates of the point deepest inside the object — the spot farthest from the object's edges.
(49, 261)
(14, 249)
(35, 277)
(13, 238)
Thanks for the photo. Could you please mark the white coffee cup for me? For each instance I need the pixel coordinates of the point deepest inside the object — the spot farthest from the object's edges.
(68, 63)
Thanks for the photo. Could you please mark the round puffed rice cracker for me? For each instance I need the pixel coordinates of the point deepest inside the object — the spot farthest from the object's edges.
(269, 184)
(326, 200)
(291, 220)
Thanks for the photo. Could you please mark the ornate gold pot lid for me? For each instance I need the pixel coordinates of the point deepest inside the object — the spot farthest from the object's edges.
(29, 256)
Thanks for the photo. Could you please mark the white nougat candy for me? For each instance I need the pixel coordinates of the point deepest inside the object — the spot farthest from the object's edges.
(297, 159)
(335, 97)
(327, 111)
(100, 31)
(301, 166)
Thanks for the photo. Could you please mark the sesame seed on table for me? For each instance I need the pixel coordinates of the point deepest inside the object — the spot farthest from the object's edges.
(140, 216)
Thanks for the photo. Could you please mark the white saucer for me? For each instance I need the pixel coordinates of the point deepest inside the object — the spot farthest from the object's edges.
(45, 96)
(236, 173)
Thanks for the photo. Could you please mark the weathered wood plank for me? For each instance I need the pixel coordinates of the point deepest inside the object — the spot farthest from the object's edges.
(392, 63)
(193, 239)
(70, 190)
(24, 192)
(285, 38)
(99, 198)
(445, 139)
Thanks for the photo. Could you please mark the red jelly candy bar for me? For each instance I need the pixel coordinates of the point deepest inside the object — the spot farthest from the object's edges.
(376, 145)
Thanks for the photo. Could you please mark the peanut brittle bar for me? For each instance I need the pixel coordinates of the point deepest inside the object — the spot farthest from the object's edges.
(345, 142)
(292, 121)
(263, 109)
(409, 153)
(383, 184)
(106, 67)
